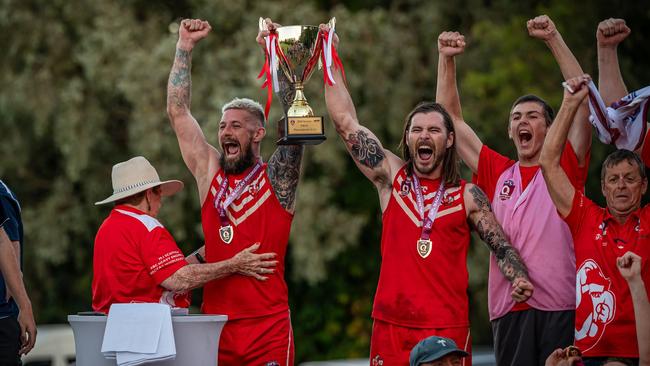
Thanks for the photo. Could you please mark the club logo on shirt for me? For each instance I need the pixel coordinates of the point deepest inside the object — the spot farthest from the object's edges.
(273, 363)
(252, 189)
(405, 188)
(595, 304)
(447, 199)
(377, 361)
(506, 190)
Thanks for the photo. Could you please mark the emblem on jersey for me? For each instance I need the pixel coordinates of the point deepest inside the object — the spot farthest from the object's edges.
(225, 232)
(595, 303)
(377, 361)
(447, 199)
(506, 190)
(405, 188)
(424, 247)
(252, 189)
(273, 363)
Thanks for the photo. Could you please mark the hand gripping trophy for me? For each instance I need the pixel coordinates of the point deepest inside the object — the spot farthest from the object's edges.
(296, 50)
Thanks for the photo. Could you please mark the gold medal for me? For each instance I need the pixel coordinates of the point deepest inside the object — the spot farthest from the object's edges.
(424, 247)
(225, 232)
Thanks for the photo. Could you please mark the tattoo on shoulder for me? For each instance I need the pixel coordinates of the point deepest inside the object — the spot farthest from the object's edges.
(365, 150)
(284, 172)
(490, 231)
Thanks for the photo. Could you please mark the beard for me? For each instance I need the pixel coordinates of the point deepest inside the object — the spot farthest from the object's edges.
(238, 165)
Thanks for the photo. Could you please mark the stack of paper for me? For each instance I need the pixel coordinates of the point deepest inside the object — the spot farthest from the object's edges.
(139, 333)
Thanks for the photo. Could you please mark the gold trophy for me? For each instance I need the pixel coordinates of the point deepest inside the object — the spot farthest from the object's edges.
(298, 55)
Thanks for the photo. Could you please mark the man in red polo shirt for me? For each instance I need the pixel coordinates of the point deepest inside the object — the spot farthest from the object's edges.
(136, 259)
(605, 322)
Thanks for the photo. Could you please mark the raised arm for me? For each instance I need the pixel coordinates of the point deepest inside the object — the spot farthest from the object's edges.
(543, 28)
(609, 34)
(376, 163)
(246, 262)
(201, 158)
(482, 219)
(630, 267)
(468, 143)
(11, 273)
(284, 165)
(558, 183)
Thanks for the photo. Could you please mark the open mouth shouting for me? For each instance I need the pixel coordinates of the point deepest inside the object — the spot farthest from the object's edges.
(231, 148)
(525, 137)
(425, 153)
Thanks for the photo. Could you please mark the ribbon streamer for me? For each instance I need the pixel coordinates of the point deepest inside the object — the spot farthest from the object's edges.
(329, 57)
(270, 70)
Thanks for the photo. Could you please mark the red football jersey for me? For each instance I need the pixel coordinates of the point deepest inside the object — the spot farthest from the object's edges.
(255, 216)
(604, 310)
(133, 254)
(428, 292)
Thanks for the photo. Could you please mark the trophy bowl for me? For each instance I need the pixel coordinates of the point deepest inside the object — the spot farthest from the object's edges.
(299, 54)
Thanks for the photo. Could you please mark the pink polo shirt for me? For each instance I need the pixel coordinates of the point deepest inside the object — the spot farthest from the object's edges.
(531, 223)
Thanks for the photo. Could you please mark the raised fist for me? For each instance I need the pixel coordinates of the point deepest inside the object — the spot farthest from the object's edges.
(576, 89)
(611, 32)
(193, 30)
(451, 44)
(629, 264)
(541, 27)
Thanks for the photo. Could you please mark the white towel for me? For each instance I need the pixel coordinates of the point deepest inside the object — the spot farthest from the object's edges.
(623, 123)
(139, 333)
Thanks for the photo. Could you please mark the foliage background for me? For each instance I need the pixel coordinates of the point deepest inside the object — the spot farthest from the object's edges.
(84, 87)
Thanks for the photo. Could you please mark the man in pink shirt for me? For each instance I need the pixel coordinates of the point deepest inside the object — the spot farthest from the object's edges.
(526, 333)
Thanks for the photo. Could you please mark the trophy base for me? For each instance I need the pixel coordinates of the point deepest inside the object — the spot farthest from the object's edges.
(301, 131)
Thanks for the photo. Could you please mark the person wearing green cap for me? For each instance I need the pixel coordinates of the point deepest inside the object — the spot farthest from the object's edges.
(436, 351)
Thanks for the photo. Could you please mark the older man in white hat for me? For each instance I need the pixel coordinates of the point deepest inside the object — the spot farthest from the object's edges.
(135, 257)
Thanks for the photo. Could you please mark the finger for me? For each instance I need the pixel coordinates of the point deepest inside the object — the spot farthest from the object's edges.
(269, 263)
(253, 247)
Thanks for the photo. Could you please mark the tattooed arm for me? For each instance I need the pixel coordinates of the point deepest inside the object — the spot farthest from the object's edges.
(482, 219)
(201, 158)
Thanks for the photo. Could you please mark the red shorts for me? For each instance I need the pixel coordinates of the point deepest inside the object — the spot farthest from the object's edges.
(391, 344)
(260, 341)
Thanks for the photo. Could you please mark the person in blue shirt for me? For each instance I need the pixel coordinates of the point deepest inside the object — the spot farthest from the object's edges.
(17, 326)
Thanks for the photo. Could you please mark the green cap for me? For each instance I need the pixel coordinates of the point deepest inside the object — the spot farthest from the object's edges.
(433, 348)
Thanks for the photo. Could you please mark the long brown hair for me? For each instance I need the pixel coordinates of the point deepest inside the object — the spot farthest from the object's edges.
(450, 167)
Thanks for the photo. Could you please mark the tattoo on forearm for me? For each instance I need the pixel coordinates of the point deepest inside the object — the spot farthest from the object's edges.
(180, 82)
(365, 150)
(284, 172)
(487, 227)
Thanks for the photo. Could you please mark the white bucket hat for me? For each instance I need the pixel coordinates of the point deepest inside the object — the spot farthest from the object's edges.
(136, 175)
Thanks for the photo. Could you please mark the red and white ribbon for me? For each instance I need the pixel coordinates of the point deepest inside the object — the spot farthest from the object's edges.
(270, 69)
(330, 57)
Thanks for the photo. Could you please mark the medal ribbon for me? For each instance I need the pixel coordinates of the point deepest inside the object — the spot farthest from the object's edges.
(431, 216)
(236, 192)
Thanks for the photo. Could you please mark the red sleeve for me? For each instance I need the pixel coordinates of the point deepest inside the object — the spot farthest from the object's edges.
(580, 208)
(569, 163)
(490, 167)
(161, 254)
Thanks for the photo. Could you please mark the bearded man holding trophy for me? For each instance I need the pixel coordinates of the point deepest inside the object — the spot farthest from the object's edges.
(244, 200)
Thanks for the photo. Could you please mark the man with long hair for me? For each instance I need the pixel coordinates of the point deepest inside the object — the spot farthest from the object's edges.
(427, 214)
